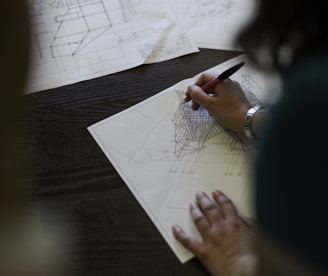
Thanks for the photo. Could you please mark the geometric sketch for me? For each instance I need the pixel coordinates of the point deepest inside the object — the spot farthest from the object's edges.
(78, 27)
(129, 9)
(193, 131)
(174, 152)
(75, 40)
(148, 49)
(38, 27)
(204, 10)
(79, 23)
(145, 32)
(222, 19)
(251, 89)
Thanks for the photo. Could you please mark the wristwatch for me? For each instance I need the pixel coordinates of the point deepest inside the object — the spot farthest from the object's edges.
(248, 128)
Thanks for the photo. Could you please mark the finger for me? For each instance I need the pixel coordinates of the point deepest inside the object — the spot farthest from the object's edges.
(249, 222)
(187, 241)
(205, 77)
(188, 96)
(199, 97)
(227, 206)
(199, 218)
(195, 106)
(209, 208)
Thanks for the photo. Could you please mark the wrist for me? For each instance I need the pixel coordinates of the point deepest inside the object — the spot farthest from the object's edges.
(244, 266)
(248, 123)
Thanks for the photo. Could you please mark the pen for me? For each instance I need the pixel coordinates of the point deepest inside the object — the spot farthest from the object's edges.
(224, 75)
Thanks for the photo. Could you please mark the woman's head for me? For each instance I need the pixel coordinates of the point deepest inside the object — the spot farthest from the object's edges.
(296, 26)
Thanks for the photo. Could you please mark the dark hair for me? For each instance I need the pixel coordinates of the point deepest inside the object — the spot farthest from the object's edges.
(296, 26)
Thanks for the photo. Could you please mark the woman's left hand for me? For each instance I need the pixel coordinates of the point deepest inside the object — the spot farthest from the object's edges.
(227, 240)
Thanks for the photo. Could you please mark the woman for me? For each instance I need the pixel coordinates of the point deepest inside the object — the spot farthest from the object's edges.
(290, 187)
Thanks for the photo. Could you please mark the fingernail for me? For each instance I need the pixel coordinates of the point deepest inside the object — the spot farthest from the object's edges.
(200, 195)
(193, 204)
(177, 228)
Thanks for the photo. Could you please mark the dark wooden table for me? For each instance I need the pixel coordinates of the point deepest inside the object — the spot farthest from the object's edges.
(114, 236)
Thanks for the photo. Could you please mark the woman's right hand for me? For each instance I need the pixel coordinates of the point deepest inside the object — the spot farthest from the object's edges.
(227, 103)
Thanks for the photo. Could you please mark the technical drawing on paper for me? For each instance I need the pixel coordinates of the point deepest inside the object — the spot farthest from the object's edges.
(77, 40)
(209, 20)
(176, 152)
(193, 133)
(200, 139)
(194, 130)
(130, 9)
(76, 23)
(205, 11)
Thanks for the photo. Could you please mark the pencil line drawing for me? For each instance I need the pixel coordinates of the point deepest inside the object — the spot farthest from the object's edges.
(130, 9)
(152, 47)
(79, 27)
(76, 24)
(75, 40)
(39, 28)
(202, 12)
(194, 132)
(215, 23)
(175, 152)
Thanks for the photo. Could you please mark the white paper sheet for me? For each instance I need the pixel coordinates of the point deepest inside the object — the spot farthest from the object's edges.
(215, 23)
(76, 40)
(166, 153)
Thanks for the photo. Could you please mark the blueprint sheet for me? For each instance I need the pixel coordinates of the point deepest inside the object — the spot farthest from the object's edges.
(76, 40)
(166, 153)
(214, 24)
